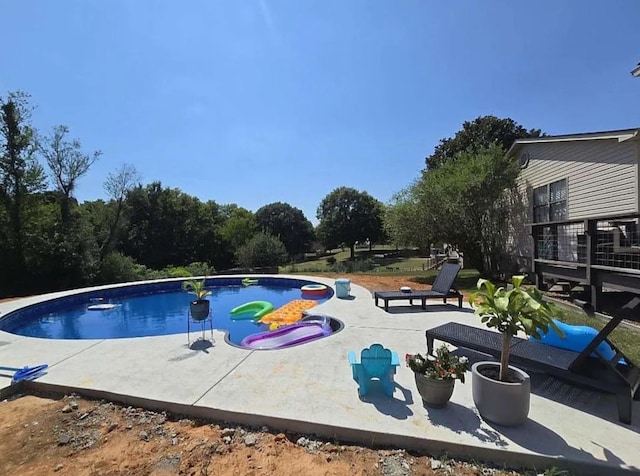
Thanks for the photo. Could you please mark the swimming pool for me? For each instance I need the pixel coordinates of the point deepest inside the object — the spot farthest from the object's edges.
(154, 309)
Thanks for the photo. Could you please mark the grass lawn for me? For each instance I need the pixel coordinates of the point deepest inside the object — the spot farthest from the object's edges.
(383, 258)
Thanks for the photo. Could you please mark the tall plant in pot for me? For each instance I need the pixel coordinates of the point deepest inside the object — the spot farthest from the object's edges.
(501, 392)
(200, 306)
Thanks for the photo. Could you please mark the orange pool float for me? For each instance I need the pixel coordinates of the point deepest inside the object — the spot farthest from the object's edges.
(289, 313)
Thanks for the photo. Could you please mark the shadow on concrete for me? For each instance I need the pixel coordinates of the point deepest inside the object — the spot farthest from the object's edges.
(599, 404)
(461, 419)
(200, 345)
(348, 298)
(396, 408)
(538, 438)
(429, 308)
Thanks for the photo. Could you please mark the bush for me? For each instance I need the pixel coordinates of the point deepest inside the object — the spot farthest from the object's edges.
(177, 272)
(199, 268)
(119, 268)
(262, 250)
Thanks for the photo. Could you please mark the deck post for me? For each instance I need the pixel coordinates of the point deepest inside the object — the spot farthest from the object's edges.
(594, 286)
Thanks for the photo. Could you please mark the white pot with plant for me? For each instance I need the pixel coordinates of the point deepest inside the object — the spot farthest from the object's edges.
(200, 306)
(501, 392)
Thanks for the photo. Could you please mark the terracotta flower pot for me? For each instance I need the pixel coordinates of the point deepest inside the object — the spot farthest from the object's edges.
(434, 393)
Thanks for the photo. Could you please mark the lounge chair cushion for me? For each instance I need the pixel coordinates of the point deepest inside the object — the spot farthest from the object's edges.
(576, 338)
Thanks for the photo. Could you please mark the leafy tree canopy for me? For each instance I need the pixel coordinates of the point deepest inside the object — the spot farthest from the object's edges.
(170, 227)
(67, 163)
(238, 226)
(405, 221)
(468, 203)
(21, 178)
(288, 224)
(346, 216)
(262, 250)
(477, 134)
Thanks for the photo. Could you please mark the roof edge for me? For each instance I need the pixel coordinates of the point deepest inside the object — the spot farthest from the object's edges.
(620, 135)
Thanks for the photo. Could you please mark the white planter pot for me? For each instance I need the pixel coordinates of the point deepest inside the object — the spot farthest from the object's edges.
(499, 402)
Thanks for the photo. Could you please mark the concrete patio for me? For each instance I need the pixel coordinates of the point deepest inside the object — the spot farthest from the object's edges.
(309, 389)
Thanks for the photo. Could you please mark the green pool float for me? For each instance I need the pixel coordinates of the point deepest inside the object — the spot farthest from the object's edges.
(251, 310)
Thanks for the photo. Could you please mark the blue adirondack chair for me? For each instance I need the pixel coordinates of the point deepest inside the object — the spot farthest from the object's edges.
(375, 362)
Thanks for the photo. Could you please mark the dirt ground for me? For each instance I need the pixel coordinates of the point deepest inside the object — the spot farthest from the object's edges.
(76, 436)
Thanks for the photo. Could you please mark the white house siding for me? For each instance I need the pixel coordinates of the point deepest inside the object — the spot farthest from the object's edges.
(602, 179)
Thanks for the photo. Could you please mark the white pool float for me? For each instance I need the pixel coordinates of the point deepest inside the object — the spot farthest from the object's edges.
(101, 307)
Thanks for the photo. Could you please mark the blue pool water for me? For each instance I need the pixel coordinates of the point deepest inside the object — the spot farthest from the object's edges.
(151, 314)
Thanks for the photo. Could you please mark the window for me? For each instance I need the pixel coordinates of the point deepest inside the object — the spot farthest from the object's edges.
(558, 200)
(540, 205)
(550, 202)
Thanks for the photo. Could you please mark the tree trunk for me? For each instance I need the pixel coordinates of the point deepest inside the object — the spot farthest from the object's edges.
(112, 231)
(473, 259)
(504, 358)
(65, 210)
(352, 247)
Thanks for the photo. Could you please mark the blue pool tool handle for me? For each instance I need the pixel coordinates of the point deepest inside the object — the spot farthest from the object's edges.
(26, 373)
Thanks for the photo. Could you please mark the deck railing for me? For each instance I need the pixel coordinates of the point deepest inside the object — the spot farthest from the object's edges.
(611, 241)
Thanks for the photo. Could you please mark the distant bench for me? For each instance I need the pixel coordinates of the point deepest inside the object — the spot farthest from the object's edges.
(441, 289)
(387, 296)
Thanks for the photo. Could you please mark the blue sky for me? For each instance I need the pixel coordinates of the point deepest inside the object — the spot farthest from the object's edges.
(257, 101)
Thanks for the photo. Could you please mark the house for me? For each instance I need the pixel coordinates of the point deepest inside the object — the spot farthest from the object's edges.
(578, 215)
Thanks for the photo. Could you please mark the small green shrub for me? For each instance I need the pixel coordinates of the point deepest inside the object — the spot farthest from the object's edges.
(177, 272)
(199, 268)
(119, 268)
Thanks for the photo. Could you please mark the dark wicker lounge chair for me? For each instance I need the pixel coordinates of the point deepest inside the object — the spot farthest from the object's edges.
(618, 376)
(441, 289)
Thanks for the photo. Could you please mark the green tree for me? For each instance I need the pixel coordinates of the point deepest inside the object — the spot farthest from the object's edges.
(346, 216)
(262, 250)
(67, 163)
(238, 226)
(117, 185)
(405, 221)
(467, 204)
(288, 224)
(61, 255)
(21, 177)
(170, 228)
(478, 134)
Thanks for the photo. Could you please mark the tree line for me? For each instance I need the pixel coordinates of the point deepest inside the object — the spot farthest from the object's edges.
(49, 241)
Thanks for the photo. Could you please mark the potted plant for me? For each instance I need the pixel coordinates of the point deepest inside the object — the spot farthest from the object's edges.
(501, 392)
(200, 306)
(436, 376)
